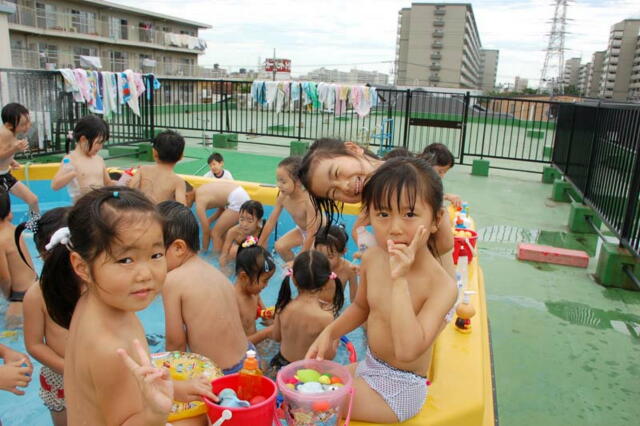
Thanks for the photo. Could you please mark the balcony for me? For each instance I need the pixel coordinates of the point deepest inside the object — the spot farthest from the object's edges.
(434, 77)
(436, 55)
(616, 43)
(439, 12)
(438, 23)
(438, 34)
(435, 67)
(79, 25)
(437, 45)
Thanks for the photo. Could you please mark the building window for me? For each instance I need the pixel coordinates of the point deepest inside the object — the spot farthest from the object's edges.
(145, 32)
(83, 22)
(118, 60)
(45, 16)
(83, 51)
(118, 28)
(48, 55)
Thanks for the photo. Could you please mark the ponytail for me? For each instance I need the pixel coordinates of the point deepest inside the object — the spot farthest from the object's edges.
(60, 285)
(338, 297)
(284, 296)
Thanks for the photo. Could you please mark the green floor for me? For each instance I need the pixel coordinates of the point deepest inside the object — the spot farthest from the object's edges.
(566, 350)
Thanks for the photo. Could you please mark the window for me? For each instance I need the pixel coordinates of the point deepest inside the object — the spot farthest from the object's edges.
(45, 16)
(83, 51)
(83, 22)
(145, 32)
(118, 60)
(118, 28)
(48, 55)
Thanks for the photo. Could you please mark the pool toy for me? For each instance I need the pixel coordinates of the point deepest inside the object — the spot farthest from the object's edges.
(464, 312)
(185, 366)
(228, 398)
(353, 356)
(266, 313)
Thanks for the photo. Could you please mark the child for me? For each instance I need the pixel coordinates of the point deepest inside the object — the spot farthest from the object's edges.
(333, 244)
(201, 312)
(44, 339)
(405, 295)
(159, 182)
(216, 163)
(294, 199)
(87, 169)
(15, 120)
(254, 269)
(190, 194)
(442, 160)
(113, 248)
(226, 196)
(16, 271)
(250, 223)
(301, 320)
(16, 370)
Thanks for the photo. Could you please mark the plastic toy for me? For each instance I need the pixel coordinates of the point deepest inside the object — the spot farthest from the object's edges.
(465, 311)
(228, 398)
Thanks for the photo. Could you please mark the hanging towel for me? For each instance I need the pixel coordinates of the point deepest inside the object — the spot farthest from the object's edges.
(373, 97)
(271, 89)
(71, 85)
(258, 92)
(83, 84)
(110, 100)
(94, 88)
(130, 92)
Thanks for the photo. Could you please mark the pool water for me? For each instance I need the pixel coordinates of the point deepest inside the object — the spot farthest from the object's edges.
(29, 409)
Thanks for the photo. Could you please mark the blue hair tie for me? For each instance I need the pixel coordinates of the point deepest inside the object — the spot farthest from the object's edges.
(116, 194)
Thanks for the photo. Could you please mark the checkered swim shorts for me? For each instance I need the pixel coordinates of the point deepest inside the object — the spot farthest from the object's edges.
(52, 389)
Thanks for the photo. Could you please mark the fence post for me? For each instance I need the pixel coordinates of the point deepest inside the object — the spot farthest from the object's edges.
(300, 112)
(573, 126)
(151, 105)
(407, 114)
(465, 117)
(592, 154)
(632, 194)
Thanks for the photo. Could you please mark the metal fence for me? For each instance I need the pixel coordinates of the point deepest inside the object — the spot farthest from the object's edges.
(518, 130)
(597, 149)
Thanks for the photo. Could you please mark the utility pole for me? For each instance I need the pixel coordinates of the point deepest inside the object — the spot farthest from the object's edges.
(551, 75)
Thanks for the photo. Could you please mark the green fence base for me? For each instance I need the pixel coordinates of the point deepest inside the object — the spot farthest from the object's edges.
(564, 192)
(225, 140)
(578, 219)
(547, 152)
(298, 147)
(123, 150)
(535, 134)
(550, 174)
(609, 271)
(145, 152)
(480, 168)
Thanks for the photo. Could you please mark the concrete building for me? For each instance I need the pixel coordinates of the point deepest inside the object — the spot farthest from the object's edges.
(594, 76)
(634, 86)
(583, 74)
(571, 72)
(488, 69)
(352, 77)
(53, 34)
(438, 45)
(618, 60)
(520, 84)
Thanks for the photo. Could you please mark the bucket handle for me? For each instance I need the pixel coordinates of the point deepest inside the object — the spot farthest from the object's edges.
(226, 415)
(351, 392)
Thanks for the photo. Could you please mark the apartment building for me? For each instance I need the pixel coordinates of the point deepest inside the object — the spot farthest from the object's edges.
(353, 77)
(594, 75)
(520, 84)
(488, 69)
(53, 34)
(438, 45)
(634, 86)
(571, 72)
(583, 74)
(619, 59)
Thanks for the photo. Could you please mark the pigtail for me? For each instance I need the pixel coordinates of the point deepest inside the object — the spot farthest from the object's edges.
(284, 296)
(16, 236)
(338, 297)
(60, 285)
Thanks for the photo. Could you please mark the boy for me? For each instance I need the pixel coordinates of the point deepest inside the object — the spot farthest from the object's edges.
(201, 312)
(159, 182)
(216, 163)
(226, 196)
(15, 120)
(16, 274)
(442, 160)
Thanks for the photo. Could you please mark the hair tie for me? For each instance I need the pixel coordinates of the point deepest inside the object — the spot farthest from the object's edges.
(333, 276)
(70, 134)
(267, 258)
(288, 272)
(116, 194)
(250, 241)
(61, 236)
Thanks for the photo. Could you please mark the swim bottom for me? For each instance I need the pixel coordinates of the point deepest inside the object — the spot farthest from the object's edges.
(52, 389)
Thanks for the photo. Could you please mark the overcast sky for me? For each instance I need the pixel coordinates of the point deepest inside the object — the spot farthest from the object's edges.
(361, 34)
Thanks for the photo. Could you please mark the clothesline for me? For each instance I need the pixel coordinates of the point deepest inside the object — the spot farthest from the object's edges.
(105, 91)
(315, 96)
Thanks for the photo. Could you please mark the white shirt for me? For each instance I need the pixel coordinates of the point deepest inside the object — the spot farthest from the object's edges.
(225, 175)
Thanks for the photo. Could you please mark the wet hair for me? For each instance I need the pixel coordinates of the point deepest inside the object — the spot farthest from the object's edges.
(325, 148)
(292, 166)
(335, 237)
(12, 113)
(403, 175)
(169, 145)
(179, 223)
(311, 271)
(398, 152)
(50, 222)
(95, 223)
(438, 154)
(253, 207)
(91, 127)
(216, 156)
(5, 205)
(254, 261)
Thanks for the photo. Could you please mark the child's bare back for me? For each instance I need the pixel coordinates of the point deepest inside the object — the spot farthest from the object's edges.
(159, 183)
(199, 296)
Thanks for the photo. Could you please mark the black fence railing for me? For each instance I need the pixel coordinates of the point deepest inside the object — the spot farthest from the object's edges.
(517, 130)
(597, 148)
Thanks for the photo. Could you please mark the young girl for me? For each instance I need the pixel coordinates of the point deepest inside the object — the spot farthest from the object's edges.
(299, 321)
(293, 198)
(250, 223)
(113, 247)
(254, 269)
(333, 244)
(404, 295)
(44, 339)
(85, 169)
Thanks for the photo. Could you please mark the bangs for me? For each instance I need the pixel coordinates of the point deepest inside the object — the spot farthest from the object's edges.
(116, 225)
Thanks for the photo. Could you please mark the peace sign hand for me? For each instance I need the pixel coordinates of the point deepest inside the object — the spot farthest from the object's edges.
(402, 256)
(155, 384)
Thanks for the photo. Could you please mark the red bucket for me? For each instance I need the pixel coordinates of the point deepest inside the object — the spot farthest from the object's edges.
(463, 245)
(261, 414)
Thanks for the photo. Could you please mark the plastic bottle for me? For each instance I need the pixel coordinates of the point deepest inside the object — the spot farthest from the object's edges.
(250, 378)
(126, 176)
(73, 187)
(365, 239)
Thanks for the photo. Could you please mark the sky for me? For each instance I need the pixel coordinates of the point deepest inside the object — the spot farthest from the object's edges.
(346, 34)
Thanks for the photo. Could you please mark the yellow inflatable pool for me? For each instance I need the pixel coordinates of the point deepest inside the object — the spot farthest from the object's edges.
(461, 391)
